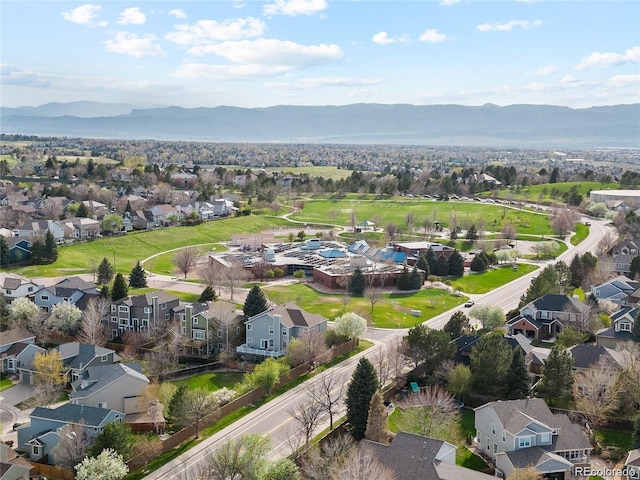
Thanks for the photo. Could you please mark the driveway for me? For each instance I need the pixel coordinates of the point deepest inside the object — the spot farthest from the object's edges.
(9, 413)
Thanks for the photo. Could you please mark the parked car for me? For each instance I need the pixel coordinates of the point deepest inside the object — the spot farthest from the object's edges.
(469, 303)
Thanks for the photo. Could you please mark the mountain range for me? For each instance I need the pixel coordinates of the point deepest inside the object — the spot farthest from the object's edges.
(487, 125)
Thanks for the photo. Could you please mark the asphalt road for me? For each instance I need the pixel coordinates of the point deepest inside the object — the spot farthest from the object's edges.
(274, 418)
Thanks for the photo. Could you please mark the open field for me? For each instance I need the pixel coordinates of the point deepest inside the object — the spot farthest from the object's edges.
(392, 311)
(333, 173)
(163, 263)
(124, 251)
(542, 193)
(491, 279)
(395, 210)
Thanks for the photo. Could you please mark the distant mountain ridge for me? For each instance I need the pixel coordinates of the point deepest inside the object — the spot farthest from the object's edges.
(490, 125)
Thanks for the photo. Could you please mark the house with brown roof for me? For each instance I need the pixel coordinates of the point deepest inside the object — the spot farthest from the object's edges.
(14, 286)
(12, 465)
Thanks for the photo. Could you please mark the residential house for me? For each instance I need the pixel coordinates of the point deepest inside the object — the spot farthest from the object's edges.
(481, 178)
(545, 317)
(620, 330)
(73, 290)
(144, 220)
(80, 228)
(40, 436)
(519, 433)
(586, 356)
(120, 174)
(166, 214)
(19, 249)
(98, 209)
(14, 286)
(10, 338)
(183, 180)
(269, 332)
(619, 257)
(204, 210)
(117, 386)
(619, 206)
(222, 207)
(138, 313)
(12, 465)
(19, 360)
(33, 228)
(414, 457)
(632, 464)
(78, 357)
(615, 290)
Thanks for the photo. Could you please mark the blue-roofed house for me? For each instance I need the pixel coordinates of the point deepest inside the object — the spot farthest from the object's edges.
(620, 330)
(40, 436)
(78, 357)
(615, 290)
(73, 290)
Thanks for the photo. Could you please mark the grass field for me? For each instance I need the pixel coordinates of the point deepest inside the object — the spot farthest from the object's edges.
(212, 381)
(124, 251)
(384, 211)
(184, 296)
(494, 278)
(582, 232)
(333, 173)
(5, 383)
(621, 439)
(163, 263)
(392, 311)
(542, 193)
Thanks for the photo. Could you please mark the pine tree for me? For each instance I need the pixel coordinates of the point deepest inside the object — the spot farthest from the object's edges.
(422, 264)
(472, 233)
(403, 279)
(456, 264)
(478, 264)
(490, 362)
(82, 211)
(207, 295)
(105, 272)
(116, 436)
(120, 288)
(415, 279)
(577, 271)
(377, 423)
(128, 208)
(137, 277)
(105, 292)
(635, 329)
(431, 260)
(358, 282)
(555, 173)
(50, 247)
(455, 326)
(4, 252)
(364, 383)
(255, 303)
(636, 434)
(557, 374)
(442, 266)
(517, 383)
(38, 254)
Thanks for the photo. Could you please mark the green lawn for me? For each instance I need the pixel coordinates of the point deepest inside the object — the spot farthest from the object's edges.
(5, 383)
(491, 279)
(212, 381)
(163, 263)
(535, 193)
(621, 439)
(392, 311)
(582, 232)
(126, 250)
(395, 210)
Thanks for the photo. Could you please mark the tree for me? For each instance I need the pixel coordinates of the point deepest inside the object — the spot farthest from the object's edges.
(196, 404)
(431, 259)
(138, 277)
(596, 395)
(112, 222)
(83, 211)
(350, 325)
(38, 255)
(186, 260)
(546, 249)
(175, 407)
(478, 264)
(415, 279)
(455, 326)
(547, 282)
(24, 313)
(266, 375)
(517, 381)
(403, 279)
(64, 318)
(527, 473)
(255, 303)
(4, 252)
(120, 288)
(358, 283)
(555, 173)
(557, 374)
(442, 266)
(115, 436)
(233, 276)
(378, 421)
(207, 295)
(305, 348)
(163, 358)
(431, 412)
(92, 326)
(308, 415)
(635, 328)
(364, 383)
(50, 247)
(105, 272)
(456, 264)
(244, 458)
(491, 316)
(490, 362)
(472, 233)
(327, 393)
(636, 434)
(300, 275)
(423, 265)
(72, 445)
(459, 379)
(49, 376)
(106, 466)
(577, 271)
(428, 347)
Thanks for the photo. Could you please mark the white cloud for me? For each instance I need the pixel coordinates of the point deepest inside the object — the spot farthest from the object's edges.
(618, 81)
(204, 32)
(631, 55)
(178, 13)
(507, 27)
(226, 72)
(314, 83)
(449, 3)
(295, 7)
(132, 16)
(82, 15)
(383, 38)
(12, 75)
(567, 79)
(546, 70)
(432, 36)
(134, 45)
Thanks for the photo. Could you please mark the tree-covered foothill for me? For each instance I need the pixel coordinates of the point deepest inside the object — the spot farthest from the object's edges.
(364, 383)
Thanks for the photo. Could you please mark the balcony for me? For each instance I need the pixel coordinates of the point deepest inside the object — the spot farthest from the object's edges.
(243, 349)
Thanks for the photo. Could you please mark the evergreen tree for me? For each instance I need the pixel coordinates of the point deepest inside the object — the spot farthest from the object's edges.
(456, 264)
(50, 247)
(636, 434)
(116, 436)
(358, 282)
(364, 383)
(403, 279)
(207, 295)
(472, 233)
(455, 326)
(255, 303)
(377, 423)
(517, 384)
(431, 261)
(634, 268)
(478, 264)
(490, 363)
(635, 328)
(90, 167)
(38, 254)
(137, 277)
(4, 251)
(557, 374)
(82, 211)
(128, 208)
(120, 288)
(105, 292)
(442, 266)
(105, 272)
(555, 173)
(547, 282)
(176, 406)
(577, 271)
(422, 264)
(415, 279)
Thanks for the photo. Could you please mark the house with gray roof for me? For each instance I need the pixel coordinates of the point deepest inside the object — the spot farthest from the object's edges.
(14, 286)
(19, 359)
(620, 330)
(15, 335)
(41, 435)
(615, 290)
(414, 457)
(138, 313)
(78, 357)
(545, 317)
(632, 464)
(519, 433)
(270, 332)
(73, 290)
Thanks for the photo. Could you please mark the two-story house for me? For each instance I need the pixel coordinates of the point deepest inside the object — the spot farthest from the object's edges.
(269, 332)
(34, 228)
(138, 313)
(622, 323)
(14, 286)
(79, 228)
(619, 257)
(546, 316)
(19, 359)
(73, 290)
(12, 465)
(78, 357)
(615, 290)
(166, 214)
(8, 342)
(517, 434)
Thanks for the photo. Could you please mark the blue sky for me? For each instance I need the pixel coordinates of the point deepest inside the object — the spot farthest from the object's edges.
(320, 52)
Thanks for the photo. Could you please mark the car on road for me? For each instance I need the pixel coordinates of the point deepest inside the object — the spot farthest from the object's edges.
(588, 224)
(469, 303)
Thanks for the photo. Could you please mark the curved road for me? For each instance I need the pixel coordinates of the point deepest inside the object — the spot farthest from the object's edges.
(274, 418)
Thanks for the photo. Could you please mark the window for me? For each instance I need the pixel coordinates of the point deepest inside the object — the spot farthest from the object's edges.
(123, 321)
(493, 429)
(114, 319)
(147, 309)
(104, 358)
(495, 448)
(36, 450)
(249, 341)
(249, 327)
(123, 308)
(284, 332)
(488, 447)
(114, 333)
(504, 437)
(167, 316)
(44, 297)
(624, 327)
(271, 344)
(524, 442)
(195, 321)
(102, 404)
(270, 329)
(30, 289)
(198, 335)
(145, 322)
(544, 438)
(113, 308)
(163, 306)
(219, 333)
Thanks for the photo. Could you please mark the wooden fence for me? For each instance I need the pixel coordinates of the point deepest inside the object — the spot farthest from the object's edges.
(51, 471)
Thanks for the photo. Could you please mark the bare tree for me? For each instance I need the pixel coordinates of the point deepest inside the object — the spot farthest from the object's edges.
(308, 346)
(410, 220)
(327, 392)
(608, 240)
(224, 317)
(212, 274)
(390, 361)
(196, 405)
(362, 463)
(509, 231)
(308, 415)
(430, 408)
(595, 393)
(353, 220)
(392, 231)
(233, 277)
(161, 360)
(565, 221)
(72, 445)
(92, 325)
(345, 282)
(527, 473)
(186, 260)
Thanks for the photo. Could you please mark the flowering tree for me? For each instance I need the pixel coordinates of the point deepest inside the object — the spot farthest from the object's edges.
(351, 325)
(106, 466)
(64, 317)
